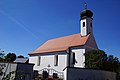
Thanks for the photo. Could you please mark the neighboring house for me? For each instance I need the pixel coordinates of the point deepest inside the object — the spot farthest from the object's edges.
(20, 69)
(68, 51)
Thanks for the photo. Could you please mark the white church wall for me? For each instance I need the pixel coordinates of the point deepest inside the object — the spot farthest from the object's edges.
(46, 60)
(33, 59)
(65, 73)
(79, 57)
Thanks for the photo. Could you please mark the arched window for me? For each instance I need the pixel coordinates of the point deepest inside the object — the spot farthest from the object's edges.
(39, 59)
(56, 60)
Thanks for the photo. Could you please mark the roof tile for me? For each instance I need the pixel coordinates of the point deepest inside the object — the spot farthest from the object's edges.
(61, 44)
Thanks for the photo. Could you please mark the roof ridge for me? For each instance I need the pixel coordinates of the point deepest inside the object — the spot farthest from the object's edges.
(62, 43)
(63, 36)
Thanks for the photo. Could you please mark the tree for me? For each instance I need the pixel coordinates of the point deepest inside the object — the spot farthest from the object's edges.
(92, 58)
(20, 56)
(10, 57)
(1, 55)
(97, 59)
(110, 63)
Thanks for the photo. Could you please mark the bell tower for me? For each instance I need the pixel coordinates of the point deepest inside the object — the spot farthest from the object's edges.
(86, 22)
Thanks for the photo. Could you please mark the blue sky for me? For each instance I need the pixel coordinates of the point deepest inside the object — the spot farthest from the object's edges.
(26, 24)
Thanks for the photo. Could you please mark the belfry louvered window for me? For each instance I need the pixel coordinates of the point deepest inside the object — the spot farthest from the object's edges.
(83, 24)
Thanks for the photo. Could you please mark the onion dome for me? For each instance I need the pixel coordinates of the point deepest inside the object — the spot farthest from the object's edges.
(86, 13)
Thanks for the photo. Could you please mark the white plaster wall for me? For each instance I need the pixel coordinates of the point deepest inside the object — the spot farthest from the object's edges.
(33, 59)
(83, 29)
(49, 60)
(65, 73)
(79, 56)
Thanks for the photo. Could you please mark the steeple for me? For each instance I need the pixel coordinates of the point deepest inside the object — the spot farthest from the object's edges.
(86, 21)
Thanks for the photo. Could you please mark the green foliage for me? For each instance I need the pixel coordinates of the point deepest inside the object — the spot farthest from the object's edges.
(10, 57)
(1, 55)
(20, 56)
(1, 59)
(93, 57)
(110, 63)
(97, 59)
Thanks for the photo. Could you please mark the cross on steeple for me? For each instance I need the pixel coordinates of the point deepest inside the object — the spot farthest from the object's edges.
(85, 5)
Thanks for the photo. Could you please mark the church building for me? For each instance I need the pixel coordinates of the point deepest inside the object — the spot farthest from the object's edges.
(67, 51)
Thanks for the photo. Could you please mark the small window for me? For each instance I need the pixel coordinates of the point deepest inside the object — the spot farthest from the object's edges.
(39, 59)
(56, 60)
(83, 24)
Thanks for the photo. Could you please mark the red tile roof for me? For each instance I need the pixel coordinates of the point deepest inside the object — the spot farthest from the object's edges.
(61, 44)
